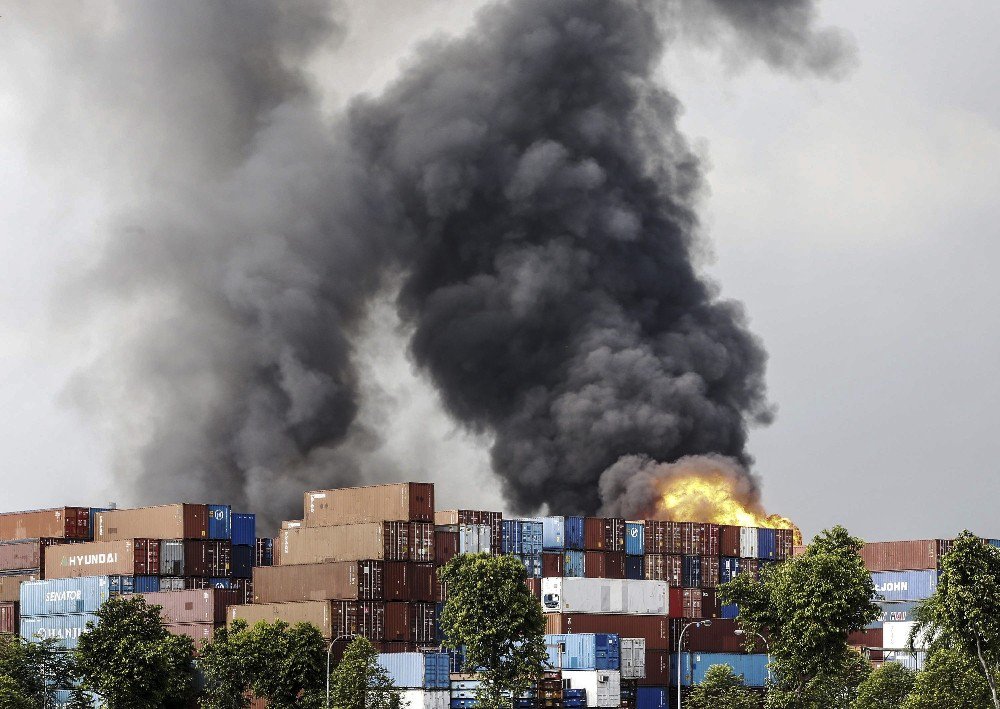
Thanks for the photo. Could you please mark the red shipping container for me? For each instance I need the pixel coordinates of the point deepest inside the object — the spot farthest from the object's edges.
(445, 547)
(675, 602)
(675, 537)
(410, 622)
(717, 637)
(655, 537)
(869, 638)
(664, 567)
(915, 555)
(62, 522)
(614, 564)
(690, 537)
(729, 540)
(614, 528)
(9, 621)
(422, 541)
(535, 586)
(657, 669)
(654, 628)
(364, 618)
(552, 564)
(710, 606)
(397, 580)
(784, 540)
(709, 571)
(594, 565)
(594, 534)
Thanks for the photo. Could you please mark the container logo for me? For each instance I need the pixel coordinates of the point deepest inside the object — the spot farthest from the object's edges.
(89, 559)
(893, 586)
(57, 596)
(62, 633)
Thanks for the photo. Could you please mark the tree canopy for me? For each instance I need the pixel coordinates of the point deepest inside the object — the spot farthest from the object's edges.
(359, 682)
(722, 688)
(885, 688)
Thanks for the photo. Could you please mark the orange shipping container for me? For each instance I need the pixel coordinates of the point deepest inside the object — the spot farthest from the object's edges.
(63, 522)
(401, 502)
(179, 521)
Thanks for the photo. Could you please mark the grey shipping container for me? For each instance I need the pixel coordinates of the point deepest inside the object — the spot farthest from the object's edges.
(400, 502)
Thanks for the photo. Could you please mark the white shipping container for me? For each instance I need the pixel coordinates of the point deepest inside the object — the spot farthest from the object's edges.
(633, 658)
(896, 635)
(603, 686)
(475, 539)
(426, 698)
(583, 595)
(748, 542)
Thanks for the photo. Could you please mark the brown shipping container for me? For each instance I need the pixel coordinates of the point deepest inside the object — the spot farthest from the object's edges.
(398, 580)
(535, 586)
(594, 565)
(699, 603)
(398, 502)
(710, 605)
(389, 541)
(341, 580)
(10, 586)
(675, 537)
(422, 541)
(409, 622)
(62, 522)
(664, 567)
(126, 557)
(316, 612)
(9, 621)
(201, 633)
(729, 540)
(424, 585)
(709, 540)
(205, 606)
(799, 549)
(916, 555)
(690, 537)
(26, 554)
(207, 557)
(552, 564)
(657, 669)
(784, 541)
(709, 571)
(655, 537)
(614, 564)
(654, 628)
(364, 618)
(445, 547)
(178, 521)
(717, 637)
(595, 537)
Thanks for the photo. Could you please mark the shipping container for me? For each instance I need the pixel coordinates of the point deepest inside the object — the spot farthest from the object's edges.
(552, 564)
(729, 568)
(917, 555)
(603, 534)
(454, 518)
(691, 570)
(200, 633)
(554, 533)
(397, 502)
(896, 635)
(244, 528)
(784, 540)
(664, 567)
(532, 565)
(426, 699)
(573, 533)
(896, 612)
(388, 541)
(445, 546)
(522, 537)
(720, 636)
(655, 629)
(635, 538)
(652, 698)
(574, 564)
(220, 522)
(242, 561)
(417, 670)
(67, 629)
(424, 584)
(865, 640)
(766, 544)
(62, 522)
(64, 596)
(333, 618)
(204, 606)
(690, 532)
(10, 586)
(344, 580)
(709, 571)
(729, 540)
(178, 521)
(748, 543)
(128, 557)
(62, 699)
(583, 651)
(25, 555)
(657, 669)
(207, 558)
(171, 557)
(603, 687)
(586, 595)
(905, 585)
(655, 537)
(9, 623)
(633, 658)
(635, 568)
(475, 539)
(694, 666)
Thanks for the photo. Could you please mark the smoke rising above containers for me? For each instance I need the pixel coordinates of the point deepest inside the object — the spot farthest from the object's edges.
(524, 191)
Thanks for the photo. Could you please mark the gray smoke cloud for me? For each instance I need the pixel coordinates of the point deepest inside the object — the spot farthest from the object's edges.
(526, 190)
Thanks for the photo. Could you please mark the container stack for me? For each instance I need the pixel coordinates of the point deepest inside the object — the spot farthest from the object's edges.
(361, 561)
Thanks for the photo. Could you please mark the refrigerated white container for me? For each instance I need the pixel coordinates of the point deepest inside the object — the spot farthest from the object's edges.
(748, 542)
(583, 595)
(426, 699)
(475, 538)
(603, 686)
(633, 657)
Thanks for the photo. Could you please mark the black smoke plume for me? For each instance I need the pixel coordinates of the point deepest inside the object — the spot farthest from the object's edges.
(526, 190)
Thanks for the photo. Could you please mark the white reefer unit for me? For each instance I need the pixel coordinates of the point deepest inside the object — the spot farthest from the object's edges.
(633, 657)
(604, 687)
(583, 595)
(426, 698)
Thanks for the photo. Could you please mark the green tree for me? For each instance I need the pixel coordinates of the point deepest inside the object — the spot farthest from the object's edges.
(950, 679)
(493, 614)
(964, 611)
(224, 663)
(722, 688)
(12, 695)
(886, 688)
(131, 660)
(809, 605)
(359, 682)
(36, 667)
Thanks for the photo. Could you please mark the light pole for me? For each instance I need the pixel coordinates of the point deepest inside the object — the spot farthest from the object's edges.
(329, 652)
(767, 648)
(697, 624)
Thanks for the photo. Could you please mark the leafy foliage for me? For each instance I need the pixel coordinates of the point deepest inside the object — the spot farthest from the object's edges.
(359, 682)
(722, 688)
(886, 688)
(493, 614)
(35, 666)
(12, 695)
(964, 612)
(224, 664)
(809, 605)
(131, 660)
(950, 679)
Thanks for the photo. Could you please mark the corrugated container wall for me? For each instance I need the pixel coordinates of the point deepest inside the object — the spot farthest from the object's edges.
(345, 580)
(64, 522)
(179, 521)
(312, 545)
(654, 629)
(748, 542)
(417, 670)
(917, 555)
(67, 629)
(400, 502)
(64, 596)
(9, 618)
(10, 586)
(603, 686)
(635, 538)
(576, 595)
(127, 557)
(695, 665)
(554, 533)
(207, 606)
(766, 544)
(905, 585)
(244, 528)
(573, 563)
(583, 651)
(220, 522)
(633, 658)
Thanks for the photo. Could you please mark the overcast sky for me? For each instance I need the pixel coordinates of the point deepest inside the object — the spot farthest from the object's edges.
(856, 219)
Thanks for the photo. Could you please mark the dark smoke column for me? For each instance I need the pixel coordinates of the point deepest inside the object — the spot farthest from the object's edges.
(549, 203)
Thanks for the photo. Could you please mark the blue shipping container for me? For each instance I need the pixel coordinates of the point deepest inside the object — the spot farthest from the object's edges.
(729, 566)
(63, 596)
(417, 670)
(635, 568)
(897, 612)
(93, 515)
(554, 533)
(242, 562)
(510, 530)
(61, 698)
(767, 544)
(146, 584)
(652, 698)
(264, 554)
(584, 651)
(67, 629)
(729, 611)
(220, 522)
(532, 565)
(121, 585)
(635, 538)
(221, 583)
(905, 585)
(574, 533)
(573, 563)
(694, 666)
(531, 536)
(691, 571)
(244, 528)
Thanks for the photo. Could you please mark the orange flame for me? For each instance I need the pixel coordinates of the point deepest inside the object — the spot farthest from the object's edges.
(711, 498)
